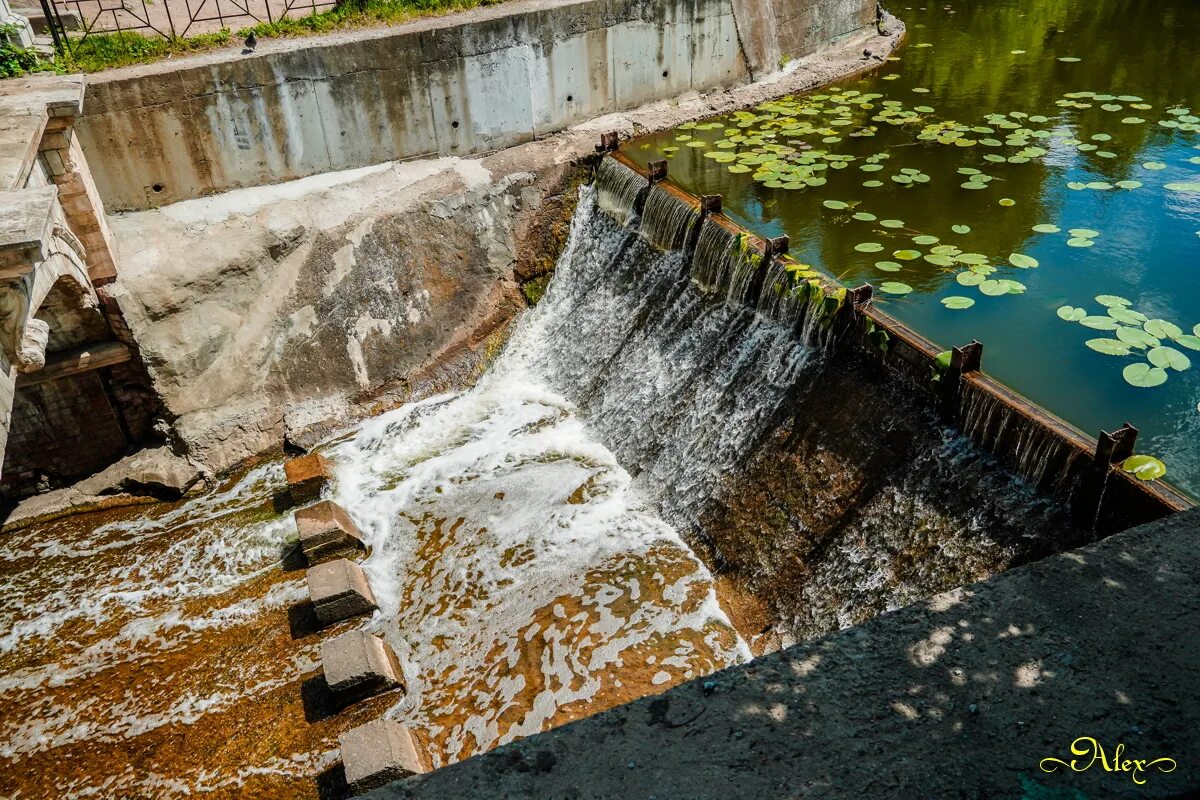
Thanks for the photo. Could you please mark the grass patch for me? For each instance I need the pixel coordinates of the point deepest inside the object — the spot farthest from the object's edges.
(101, 51)
(16, 61)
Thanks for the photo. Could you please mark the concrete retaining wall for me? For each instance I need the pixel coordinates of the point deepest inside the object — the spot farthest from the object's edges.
(468, 83)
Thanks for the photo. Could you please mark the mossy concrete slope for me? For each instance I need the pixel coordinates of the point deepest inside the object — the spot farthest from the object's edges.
(965, 695)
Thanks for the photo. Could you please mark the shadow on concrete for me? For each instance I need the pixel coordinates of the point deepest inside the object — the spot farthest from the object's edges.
(963, 695)
(331, 784)
(302, 620)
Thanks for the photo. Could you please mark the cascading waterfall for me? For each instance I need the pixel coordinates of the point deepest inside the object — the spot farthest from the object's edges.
(667, 220)
(618, 189)
(1041, 459)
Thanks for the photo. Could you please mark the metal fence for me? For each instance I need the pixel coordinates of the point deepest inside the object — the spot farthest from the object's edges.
(72, 21)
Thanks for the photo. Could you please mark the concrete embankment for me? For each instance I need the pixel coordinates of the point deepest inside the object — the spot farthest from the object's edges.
(467, 83)
(263, 312)
(965, 695)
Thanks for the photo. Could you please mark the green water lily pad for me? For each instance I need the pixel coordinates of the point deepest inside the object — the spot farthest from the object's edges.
(1007, 202)
(972, 259)
(894, 287)
(956, 302)
(925, 238)
(1046, 227)
(1154, 165)
(836, 205)
(1080, 242)
(738, 169)
(1137, 338)
(1130, 184)
(1109, 347)
(868, 247)
(1112, 300)
(961, 229)
(939, 260)
(891, 223)
(969, 278)
(1071, 313)
(1168, 357)
(864, 216)
(993, 288)
(1069, 59)
(1162, 328)
(907, 255)
(1133, 120)
(1186, 186)
(1146, 468)
(1126, 315)
(1144, 375)
(1188, 341)
(888, 266)
(1100, 323)
(1022, 261)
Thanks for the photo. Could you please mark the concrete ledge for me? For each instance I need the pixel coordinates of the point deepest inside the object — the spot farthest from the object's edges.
(339, 590)
(307, 476)
(962, 696)
(379, 752)
(360, 664)
(326, 531)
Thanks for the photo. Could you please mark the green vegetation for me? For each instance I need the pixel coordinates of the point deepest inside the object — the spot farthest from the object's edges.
(106, 50)
(101, 51)
(16, 61)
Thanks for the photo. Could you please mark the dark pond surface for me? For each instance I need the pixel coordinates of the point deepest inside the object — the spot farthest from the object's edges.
(1080, 115)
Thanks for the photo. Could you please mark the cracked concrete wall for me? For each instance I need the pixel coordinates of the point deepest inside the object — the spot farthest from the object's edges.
(264, 311)
(475, 82)
(775, 32)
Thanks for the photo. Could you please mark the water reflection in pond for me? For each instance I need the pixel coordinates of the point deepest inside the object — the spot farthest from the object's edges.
(1014, 162)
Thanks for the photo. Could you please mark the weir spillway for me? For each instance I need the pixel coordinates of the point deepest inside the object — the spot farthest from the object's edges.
(676, 462)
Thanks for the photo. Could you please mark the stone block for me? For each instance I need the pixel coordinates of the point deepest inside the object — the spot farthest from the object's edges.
(380, 752)
(326, 531)
(339, 590)
(358, 663)
(307, 476)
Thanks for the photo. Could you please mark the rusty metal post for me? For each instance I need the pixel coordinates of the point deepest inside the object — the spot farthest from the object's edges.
(609, 142)
(963, 361)
(657, 171)
(710, 204)
(1113, 448)
(777, 247)
(859, 296)
(966, 359)
(1088, 498)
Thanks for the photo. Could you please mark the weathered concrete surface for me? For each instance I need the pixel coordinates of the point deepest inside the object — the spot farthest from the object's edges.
(326, 531)
(281, 310)
(467, 83)
(155, 471)
(960, 696)
(339, 590)
(356, 662)
(379, 752)
(307, 476)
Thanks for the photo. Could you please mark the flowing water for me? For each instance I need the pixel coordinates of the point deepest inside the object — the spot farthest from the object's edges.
(529, 538)
(1080, 116)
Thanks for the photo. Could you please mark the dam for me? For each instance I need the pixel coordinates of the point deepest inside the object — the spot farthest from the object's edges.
(423, 411)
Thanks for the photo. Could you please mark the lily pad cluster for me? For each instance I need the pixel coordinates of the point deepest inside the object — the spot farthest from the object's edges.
(1157, 341)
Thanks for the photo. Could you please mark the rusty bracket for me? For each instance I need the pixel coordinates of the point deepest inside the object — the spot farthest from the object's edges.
(609, 142)
(776, 247)
(966, 359)
(657, 171)
(1115, 447)
(860, 296)
(710, 204)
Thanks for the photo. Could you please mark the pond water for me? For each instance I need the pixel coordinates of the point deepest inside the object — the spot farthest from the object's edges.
(1023, 172)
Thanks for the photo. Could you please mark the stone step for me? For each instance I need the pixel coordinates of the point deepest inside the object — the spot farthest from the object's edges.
(326, 532)
(339, 591)
(307, 477)
(360, 664)
(380, 752)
